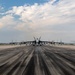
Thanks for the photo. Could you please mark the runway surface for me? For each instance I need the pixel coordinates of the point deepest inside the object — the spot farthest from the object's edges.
(37, 60)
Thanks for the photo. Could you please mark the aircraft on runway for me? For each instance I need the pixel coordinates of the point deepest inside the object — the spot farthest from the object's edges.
(36, 42)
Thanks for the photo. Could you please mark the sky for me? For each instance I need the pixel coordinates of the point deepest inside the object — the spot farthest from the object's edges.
(52, 20)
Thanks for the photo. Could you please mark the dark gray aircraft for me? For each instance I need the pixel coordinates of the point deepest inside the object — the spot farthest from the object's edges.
(38, 42)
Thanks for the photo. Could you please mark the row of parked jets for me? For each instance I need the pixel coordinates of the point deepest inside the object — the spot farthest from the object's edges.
(37, 42)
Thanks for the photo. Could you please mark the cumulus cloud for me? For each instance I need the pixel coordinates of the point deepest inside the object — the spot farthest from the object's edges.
(7, 21)
(45, 14)
(38, 17)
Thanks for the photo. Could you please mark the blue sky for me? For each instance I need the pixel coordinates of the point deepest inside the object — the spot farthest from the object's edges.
(9, 3)
(51, 19)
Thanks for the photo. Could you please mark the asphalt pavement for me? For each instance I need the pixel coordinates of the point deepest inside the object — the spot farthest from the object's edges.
(37, 60)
